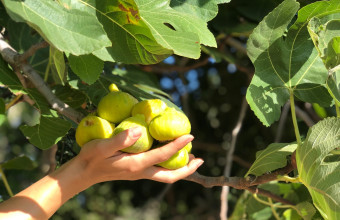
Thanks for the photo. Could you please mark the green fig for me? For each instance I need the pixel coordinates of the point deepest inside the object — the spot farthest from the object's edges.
(169, 125)
(150, 108)
(144, 143)
(116, 106)
(188, 147)
(176, 161)
(92, 127)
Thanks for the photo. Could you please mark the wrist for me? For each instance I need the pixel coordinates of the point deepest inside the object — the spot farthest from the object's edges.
(73, 176)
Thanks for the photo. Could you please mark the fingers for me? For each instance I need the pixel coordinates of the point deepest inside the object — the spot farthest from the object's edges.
(107, 147)
(163, 153)
(170, 176)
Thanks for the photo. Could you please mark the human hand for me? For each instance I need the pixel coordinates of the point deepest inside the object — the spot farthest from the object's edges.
(98, 161)
(102, 161)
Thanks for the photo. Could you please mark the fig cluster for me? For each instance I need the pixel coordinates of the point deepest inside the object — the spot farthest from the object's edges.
(119, 111)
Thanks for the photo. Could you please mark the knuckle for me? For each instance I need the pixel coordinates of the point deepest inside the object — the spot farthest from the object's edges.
(134, 167)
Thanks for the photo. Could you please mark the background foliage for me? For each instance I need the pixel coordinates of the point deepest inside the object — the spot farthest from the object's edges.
(203, 57)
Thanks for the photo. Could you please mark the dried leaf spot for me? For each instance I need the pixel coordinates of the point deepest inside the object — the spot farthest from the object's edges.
(132, 15)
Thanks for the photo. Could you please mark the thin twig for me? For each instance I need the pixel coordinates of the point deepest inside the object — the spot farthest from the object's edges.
(9, 55)
(304, 116)
(237, 45)
(309, 109)
(4, 179)
(23, 57)
(51, 158)
(271, 195)
(229, 159)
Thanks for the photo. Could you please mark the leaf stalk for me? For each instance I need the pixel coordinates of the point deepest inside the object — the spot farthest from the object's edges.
(289, 179)
(337, 109)
(4, 179)
(296, 128)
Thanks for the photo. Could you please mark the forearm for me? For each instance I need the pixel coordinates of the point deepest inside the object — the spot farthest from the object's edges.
(42, 199)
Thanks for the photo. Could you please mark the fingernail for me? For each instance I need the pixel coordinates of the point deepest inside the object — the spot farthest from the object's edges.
(189, 138)
(135, 132)
(199, 163)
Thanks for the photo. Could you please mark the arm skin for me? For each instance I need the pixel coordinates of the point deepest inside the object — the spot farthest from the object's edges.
(98, 161)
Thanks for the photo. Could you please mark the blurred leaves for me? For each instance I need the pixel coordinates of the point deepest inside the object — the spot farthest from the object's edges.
(19, 163)
(70, 96)
(2, 106)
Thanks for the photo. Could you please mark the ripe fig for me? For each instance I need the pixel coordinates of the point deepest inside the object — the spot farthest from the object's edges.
(188, 147)
(176, 161)
(144, 143)
(92, 127)
(150, 108)
(169, 125)
(116, 106)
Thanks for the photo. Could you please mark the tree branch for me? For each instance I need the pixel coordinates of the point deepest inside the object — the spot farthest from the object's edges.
(247, 183)
(172, 68)
(10, 55)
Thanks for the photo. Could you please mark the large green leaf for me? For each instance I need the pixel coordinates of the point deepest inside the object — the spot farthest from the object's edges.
(69, 30)
(287, 62)
(271, 158)
(87, 67)
(132, 39)
(176, 30)
(317, 170)
(19, 163)
(206, 9)
(47, 133)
